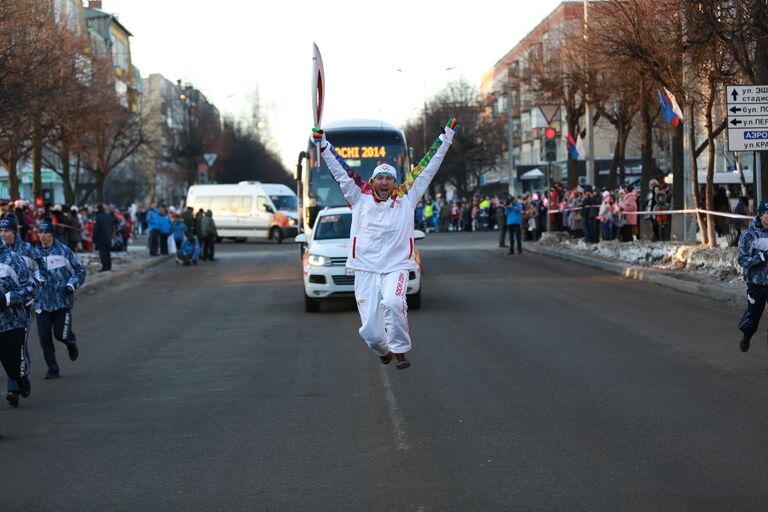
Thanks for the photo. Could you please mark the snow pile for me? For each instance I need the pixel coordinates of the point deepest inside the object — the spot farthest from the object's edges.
(720, 262)
(92, 264)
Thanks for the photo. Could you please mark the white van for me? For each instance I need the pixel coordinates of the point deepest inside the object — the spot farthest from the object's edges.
(249, 209)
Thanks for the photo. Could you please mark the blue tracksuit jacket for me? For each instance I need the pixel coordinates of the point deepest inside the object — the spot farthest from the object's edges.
(18, 288)
(35, 263)
(190, 248)
(752, 257)
(62, 268)
(514, 214)
(152, 217)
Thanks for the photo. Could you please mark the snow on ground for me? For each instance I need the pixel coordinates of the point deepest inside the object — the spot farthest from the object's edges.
(720, 262)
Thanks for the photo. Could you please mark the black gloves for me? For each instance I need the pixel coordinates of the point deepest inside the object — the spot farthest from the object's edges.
(69, 289)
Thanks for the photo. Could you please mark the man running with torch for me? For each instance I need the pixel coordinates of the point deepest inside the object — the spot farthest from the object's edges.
(381, 252)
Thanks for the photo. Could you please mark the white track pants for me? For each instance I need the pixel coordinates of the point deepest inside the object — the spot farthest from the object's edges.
(383, 310)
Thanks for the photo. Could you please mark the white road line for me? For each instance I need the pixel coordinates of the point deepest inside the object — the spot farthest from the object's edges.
(401, 439)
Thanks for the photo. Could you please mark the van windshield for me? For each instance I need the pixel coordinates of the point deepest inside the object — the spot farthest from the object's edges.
(284, 202)
(331, 227)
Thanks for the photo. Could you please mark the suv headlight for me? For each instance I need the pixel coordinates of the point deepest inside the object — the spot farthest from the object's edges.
(319, 261)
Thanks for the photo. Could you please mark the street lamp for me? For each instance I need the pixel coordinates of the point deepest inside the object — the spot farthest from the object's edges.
(187, 142)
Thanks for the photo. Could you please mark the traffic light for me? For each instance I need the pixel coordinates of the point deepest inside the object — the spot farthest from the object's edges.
(550, 144)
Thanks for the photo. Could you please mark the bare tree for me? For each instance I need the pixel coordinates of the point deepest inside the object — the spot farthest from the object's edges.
(559, 74)
(200, 134)
(112, 134)
(30, 46)
(478, 143)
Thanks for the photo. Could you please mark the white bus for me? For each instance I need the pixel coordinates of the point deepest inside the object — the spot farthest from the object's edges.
(248, 209)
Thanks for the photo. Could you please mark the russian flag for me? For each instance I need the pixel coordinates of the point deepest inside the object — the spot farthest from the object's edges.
(672, 113)
(570, 144)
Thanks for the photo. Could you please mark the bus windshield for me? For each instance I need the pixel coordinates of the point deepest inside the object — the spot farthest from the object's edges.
(362, 152)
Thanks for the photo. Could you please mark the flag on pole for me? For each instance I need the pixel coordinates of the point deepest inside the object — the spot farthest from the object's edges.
(572, 146)
(580, 148)
(672, 113)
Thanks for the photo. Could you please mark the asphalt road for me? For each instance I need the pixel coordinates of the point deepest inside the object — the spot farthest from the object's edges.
(536, 384)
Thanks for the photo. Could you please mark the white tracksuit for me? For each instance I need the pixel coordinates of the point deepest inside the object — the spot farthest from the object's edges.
(382, 252)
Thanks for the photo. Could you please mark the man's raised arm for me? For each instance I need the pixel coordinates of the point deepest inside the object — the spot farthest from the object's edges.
(349, 181)
(417, 181)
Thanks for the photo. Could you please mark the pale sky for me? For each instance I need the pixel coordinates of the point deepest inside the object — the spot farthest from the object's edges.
(229, 48)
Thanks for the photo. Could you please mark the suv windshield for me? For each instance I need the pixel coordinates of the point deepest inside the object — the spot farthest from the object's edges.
(330, 227)
(284, 202)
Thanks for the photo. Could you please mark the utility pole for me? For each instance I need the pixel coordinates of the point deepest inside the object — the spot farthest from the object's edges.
(588, 110)
(510, 139)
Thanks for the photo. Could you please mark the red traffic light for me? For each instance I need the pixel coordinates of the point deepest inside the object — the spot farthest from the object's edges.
(550, 133)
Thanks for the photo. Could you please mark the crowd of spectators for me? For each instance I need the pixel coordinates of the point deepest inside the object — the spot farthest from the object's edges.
(595, 215)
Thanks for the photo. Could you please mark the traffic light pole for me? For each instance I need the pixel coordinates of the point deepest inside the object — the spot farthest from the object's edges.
(549, 196)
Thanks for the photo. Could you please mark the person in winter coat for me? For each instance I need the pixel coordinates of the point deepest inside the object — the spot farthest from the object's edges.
(208, 229)
(501, 221)
(178, 230)
(103, 232)
(9, 235)
(74, 232)
(188, 216)
(189, 250)
(381, 253)
(16, 290)
(199, 225)
(514, 211)
(53, 305)
(163, 229)
(629, 230)
(153, 235)
(753, 257)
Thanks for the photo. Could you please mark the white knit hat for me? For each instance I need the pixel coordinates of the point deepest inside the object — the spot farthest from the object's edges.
(385, 169)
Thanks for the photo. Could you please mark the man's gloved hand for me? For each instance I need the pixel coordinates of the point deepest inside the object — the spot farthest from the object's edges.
(3, 302)
(69, 289)
(450, 128)
(319, 136)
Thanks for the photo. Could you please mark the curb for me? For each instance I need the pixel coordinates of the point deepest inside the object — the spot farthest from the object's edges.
(713, 290)
(119, 276)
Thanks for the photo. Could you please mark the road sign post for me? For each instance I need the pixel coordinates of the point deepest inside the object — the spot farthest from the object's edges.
(747, 107)
(747, 117)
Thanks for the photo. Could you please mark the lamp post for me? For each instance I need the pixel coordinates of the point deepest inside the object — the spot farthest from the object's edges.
(184, 97)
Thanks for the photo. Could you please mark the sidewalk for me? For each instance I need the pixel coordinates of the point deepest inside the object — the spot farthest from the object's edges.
(697, 283)
(124, 264)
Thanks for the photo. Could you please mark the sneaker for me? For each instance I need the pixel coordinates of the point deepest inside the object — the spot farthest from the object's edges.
(72, 351)
(51, 375)
(402, 361)
(387, 358)
(744, 343)
(25, 387)
(13, 398)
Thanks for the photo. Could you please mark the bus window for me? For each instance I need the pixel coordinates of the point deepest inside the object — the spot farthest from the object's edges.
(262, 204)
(362, 152)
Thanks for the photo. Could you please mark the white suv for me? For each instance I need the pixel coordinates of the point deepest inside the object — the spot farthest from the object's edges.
(325, 257)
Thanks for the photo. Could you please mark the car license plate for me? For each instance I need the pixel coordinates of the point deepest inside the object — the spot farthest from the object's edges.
(350, 271)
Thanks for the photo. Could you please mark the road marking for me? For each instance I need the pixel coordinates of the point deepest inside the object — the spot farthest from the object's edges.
(401, 439)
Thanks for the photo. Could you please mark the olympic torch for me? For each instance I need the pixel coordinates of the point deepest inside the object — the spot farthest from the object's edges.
(318, 90)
